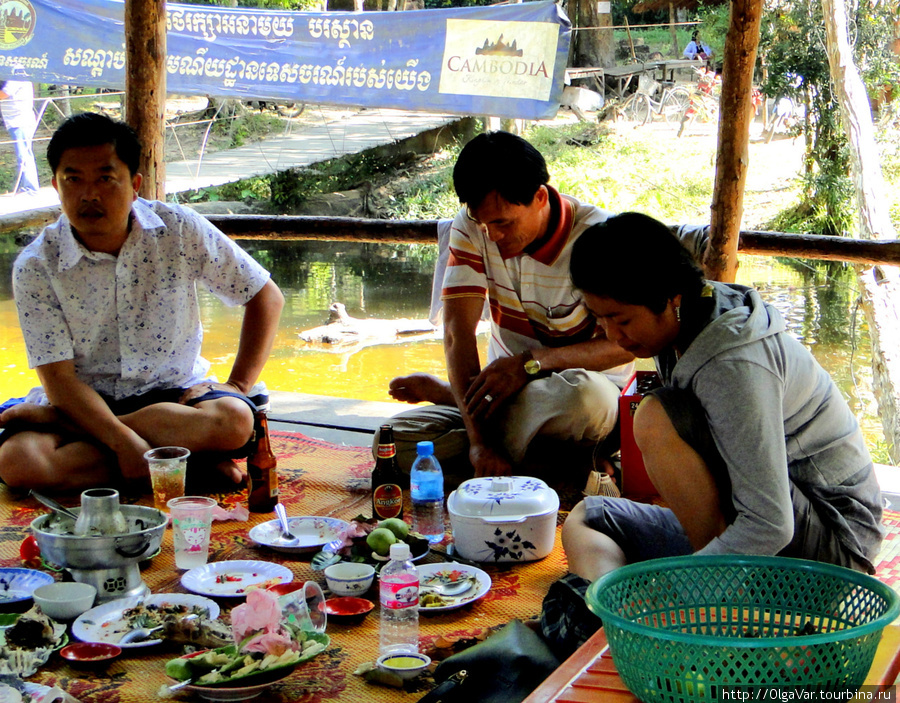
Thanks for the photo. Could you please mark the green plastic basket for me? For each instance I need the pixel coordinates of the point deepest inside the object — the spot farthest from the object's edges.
(693, 628)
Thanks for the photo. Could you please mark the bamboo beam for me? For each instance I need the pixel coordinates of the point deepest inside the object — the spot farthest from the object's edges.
(298, 228)
(145, 90)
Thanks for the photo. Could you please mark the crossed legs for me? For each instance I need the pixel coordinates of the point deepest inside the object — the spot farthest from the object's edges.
(54, 455)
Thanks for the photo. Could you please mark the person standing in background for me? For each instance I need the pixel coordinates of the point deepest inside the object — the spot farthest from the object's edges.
(17, 106)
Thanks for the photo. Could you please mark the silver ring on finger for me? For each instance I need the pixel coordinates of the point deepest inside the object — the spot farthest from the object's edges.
(488, 398)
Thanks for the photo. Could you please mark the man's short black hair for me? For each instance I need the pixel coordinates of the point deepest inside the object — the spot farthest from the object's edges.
(94, 129)
(502, 162)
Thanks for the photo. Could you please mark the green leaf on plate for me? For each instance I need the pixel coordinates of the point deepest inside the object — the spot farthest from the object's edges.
(323, 560)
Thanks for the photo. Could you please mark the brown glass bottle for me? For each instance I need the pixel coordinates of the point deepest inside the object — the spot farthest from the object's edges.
(387, 479)
(261, 468)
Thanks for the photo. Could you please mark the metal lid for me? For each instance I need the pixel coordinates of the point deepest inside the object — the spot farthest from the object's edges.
(503, 496)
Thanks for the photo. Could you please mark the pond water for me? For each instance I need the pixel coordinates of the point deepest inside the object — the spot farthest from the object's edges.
(389, 282)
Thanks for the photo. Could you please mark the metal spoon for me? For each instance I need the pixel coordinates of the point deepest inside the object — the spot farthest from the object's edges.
(450, 589)
(53, 505)
(143, 633)
(287, 539)
(139, 634)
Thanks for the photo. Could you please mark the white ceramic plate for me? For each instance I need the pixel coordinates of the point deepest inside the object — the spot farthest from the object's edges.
(433, 573)
(105, 623)
(313, 533)
(230, 579)
(18, 584)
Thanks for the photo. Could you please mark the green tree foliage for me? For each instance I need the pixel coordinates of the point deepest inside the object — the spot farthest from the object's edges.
(792, 46)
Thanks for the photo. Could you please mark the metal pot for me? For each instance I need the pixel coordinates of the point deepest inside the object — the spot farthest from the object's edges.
(107, 562)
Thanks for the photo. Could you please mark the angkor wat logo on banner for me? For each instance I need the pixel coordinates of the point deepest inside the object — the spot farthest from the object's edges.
(17, 20)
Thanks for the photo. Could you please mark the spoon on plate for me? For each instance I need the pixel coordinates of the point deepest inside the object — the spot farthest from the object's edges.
(142, 633)
(286, 538)
(455, 588)
(139, 634)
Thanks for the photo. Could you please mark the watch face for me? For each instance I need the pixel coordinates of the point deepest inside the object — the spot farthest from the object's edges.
(532, 367)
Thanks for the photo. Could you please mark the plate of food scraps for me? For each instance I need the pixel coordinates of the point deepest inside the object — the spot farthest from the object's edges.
(234, 579)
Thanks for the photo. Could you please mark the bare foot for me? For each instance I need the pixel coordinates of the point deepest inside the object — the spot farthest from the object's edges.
(421, 387)
(230, 470)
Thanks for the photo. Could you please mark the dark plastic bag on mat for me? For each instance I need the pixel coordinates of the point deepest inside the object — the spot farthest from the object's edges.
(505, 668)
(566, 621)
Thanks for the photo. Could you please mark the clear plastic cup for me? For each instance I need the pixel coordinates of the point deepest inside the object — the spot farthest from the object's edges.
(168, 467)
(302, 603)
(191, 525)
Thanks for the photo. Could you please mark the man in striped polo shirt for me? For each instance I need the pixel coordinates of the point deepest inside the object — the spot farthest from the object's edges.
(551, 372)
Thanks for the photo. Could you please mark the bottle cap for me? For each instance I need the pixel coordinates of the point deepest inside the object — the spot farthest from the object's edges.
(425, 448)
(400, 551)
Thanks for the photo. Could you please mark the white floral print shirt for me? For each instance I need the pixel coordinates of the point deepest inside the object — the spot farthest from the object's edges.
(131, 322)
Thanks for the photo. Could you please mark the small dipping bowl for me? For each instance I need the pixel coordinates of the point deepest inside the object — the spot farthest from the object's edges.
(349, 578)
(347, 610)
(282, 589)
(406, 665)
(64, 600)
(90, 653)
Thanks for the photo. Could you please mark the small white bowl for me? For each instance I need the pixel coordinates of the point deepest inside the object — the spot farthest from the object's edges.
(65, 600)
(349, 578)
(406, 665)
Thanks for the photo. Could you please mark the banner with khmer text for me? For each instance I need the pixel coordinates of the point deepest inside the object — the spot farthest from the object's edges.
(507, 61)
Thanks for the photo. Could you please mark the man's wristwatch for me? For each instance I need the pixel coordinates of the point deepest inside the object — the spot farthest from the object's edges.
(532, 365)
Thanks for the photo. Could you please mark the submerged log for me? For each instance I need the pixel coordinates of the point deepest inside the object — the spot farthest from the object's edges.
(347, 335)
(344, 334)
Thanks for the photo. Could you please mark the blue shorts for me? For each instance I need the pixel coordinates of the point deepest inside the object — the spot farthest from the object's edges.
(136, 402)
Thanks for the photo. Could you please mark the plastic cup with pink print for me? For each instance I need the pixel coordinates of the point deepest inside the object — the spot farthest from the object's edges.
(191, 525)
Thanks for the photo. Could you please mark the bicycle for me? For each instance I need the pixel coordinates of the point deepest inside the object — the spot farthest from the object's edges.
(703, 102)
(640, 107)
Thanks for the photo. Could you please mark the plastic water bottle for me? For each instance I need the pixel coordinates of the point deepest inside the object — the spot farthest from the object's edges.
(426, 488)
(399, 592)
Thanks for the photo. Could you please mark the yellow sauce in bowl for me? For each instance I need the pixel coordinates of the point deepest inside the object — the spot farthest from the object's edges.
(403, 662)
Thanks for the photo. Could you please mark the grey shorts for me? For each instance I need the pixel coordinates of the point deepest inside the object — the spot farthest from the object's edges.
(646, 531)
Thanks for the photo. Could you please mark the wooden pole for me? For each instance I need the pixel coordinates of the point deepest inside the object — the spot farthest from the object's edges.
(630, 40)
(732, 161)
(675, 48)
(145, 88)
(352, 229)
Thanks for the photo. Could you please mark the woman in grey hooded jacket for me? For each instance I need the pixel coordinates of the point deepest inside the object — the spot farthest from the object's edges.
(749, 442)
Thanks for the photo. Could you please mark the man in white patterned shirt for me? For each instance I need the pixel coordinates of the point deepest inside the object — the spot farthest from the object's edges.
(551, 371)
(107, 301)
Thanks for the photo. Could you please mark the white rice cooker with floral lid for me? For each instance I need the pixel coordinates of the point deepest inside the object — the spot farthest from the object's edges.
(503, 518)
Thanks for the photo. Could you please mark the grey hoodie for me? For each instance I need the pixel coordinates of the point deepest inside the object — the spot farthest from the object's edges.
(780, 424)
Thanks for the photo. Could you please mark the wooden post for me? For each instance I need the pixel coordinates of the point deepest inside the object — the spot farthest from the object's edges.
(145, 88)
(630, 40)
(732, 160)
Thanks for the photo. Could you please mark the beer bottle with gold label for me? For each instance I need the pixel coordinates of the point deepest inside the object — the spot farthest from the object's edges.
(387, 478)
(262, 471)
